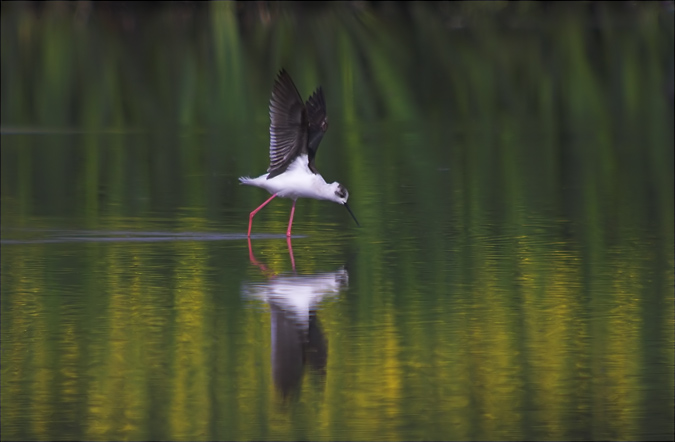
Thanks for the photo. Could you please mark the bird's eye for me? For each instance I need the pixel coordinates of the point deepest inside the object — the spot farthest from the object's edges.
(341, 191)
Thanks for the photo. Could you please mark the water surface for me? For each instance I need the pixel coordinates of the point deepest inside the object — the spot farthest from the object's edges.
(512, 278)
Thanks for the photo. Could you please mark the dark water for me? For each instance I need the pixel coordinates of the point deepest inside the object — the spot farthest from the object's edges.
(512, 279)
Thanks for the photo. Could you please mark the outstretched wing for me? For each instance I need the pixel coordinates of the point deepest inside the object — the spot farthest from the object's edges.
(288, 125)
(318, 124)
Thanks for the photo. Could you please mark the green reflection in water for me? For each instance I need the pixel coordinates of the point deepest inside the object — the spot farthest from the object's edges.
(513, 278)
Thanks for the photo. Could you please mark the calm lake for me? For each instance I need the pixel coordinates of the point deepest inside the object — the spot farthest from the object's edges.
(511, 169)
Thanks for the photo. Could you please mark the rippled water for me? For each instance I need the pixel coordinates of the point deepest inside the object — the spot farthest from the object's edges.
(495, 329)
(512, 278)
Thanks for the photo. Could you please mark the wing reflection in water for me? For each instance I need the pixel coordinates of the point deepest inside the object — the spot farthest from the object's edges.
(297, 338)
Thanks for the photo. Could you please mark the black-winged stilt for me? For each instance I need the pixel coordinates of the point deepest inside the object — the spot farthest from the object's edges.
(296, 129)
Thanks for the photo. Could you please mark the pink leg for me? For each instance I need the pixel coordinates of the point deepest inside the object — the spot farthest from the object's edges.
(251, 257)
(250, 218)
(290, 221)
(290, 251)
(267, 272)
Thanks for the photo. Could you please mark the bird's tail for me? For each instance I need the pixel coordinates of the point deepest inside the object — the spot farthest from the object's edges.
(245, 180)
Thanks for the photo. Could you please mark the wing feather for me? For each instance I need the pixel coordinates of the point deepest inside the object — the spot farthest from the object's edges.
(288, 125)
(318, 124)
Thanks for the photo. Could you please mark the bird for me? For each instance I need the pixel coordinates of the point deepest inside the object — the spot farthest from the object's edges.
(296, 129)
(297, 338)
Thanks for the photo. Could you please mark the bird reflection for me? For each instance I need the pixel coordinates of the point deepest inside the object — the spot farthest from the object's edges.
(297, 338)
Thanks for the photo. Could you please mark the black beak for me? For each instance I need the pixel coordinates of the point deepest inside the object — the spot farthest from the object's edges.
(352, 214)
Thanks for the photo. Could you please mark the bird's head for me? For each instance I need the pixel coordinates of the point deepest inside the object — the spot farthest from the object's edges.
(340, 195)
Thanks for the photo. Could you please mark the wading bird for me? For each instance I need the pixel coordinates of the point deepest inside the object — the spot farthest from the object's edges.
(296, 129)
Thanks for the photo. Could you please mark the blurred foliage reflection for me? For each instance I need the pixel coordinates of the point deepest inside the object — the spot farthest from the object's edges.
(511, 163)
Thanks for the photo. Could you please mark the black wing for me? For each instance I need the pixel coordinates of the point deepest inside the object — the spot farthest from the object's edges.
(318, 124)
(288, 125)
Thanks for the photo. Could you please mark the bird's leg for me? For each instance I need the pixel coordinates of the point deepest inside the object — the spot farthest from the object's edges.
(290, 251)
(251, 257)
(250, 218)
(267, 272)
(290, 221)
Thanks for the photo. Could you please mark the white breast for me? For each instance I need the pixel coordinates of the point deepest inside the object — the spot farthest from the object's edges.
(298, 182)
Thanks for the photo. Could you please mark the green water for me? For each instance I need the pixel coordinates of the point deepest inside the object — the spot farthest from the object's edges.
(512, 278)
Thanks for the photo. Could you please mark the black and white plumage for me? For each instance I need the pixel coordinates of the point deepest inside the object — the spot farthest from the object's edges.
(296, 129)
